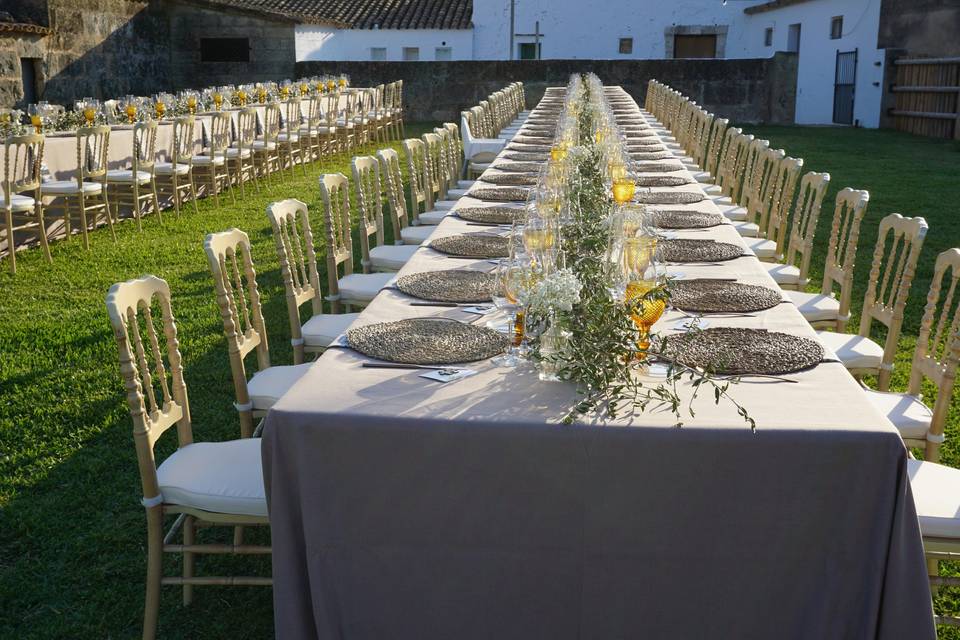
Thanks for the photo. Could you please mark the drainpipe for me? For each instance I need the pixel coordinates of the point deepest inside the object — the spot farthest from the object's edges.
(513, 4)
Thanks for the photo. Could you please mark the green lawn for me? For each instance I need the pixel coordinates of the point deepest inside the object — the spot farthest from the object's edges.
(71, 529)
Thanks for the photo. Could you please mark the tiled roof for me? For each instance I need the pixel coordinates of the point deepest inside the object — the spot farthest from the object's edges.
(367, 14)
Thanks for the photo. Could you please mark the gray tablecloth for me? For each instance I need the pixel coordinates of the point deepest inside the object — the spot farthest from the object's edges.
(402, 508)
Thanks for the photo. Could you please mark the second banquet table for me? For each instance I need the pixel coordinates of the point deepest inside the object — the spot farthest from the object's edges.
(403, 508)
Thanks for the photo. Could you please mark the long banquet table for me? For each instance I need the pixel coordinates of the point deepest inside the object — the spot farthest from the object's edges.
(403, 508)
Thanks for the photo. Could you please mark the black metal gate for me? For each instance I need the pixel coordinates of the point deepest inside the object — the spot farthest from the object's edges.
(843, 87)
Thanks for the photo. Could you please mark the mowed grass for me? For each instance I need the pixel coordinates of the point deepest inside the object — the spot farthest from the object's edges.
(71, 528)
(72, 533)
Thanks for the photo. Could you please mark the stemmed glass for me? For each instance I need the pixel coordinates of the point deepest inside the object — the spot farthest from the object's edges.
(513, 276)
(191, 100)
(89, 107)
(130, 108)
(644, 282)
(217, 96)
(36, 113)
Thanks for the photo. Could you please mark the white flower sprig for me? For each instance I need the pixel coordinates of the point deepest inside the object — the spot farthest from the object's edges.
(558, 291)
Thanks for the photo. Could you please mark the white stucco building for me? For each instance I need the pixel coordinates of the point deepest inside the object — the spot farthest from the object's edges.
(840, 67)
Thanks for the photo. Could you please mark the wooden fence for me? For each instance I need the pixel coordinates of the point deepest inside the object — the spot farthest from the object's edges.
(927, 97)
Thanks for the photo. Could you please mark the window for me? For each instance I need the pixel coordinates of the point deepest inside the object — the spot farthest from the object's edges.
(836, 27)
(768, 37)
(793, 38)
(378, 54)
(224, 49)
(698, 46)
(529, 50)
(29, 75)
(443, 53)
(411, 54)
(626, 45)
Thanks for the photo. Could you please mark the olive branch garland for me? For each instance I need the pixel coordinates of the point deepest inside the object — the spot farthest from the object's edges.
(600, 355)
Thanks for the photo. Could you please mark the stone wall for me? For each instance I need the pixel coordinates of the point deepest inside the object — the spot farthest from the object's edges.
(921, 28)
(756, 90)
(110, 48)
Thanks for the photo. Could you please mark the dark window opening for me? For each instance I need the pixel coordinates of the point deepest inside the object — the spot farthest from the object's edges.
(768, 37)
(224, 49)
(699, 46)
(626, 45)
(836, 27)
(530, 50)
(793, 38)
(29, 74)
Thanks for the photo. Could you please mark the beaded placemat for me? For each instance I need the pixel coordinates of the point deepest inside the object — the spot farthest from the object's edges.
(454, 285)
(682, 219)
(473, 245)
(523, 146)
(519, 167)
(740, 351)
(668, 197)
(427, 341)
(704, 295)
(651, 155)
(662, 181)
(491, 215)
(514, 179)
(690, 250)
(658, 167)
(500, 194)
(526, 156)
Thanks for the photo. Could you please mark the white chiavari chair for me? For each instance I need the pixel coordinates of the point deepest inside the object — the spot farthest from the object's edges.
(20, 198)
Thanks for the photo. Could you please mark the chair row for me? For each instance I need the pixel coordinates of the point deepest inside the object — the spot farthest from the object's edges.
(240, 146)
(487, 127)
(754, 186)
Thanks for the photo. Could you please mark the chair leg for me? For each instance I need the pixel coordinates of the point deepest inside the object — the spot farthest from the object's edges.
(176, 194)
(11, 243)
(246, 423)
(193, 192)
(136, 205)
(156, 200)
(83, 219)
(189, 538)
(44, 242)
(106, 212)
(151, 608)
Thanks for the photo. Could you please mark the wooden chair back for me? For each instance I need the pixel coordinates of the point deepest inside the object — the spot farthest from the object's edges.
(220, 134)
(434, 168)
(750, 171)
(144, 146)
(718, 132)
(392, 182)
(246, 128)
(775, 215)
(366, 181)
(23, 158)
(418, 170)
(335, 197)
(290, 222)
(92, 146)
(235, 283)
(895, 257)
(850, 208)
(733, 141)
(806, 212)
(938, 345)
(152, 370)
(183, 140)
(271, 123)
(292, 115)
(762, 184)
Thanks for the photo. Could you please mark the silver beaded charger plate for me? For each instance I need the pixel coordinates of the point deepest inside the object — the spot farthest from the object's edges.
(491, 215)
(520, 167)
(513, 179)
(662, 181)
(668, 197)
(526, 156)
(652, 145)
(539, 130)
(703, 295)
(691, 250)
(529, 138)
(427, 341)
(658, 167)
(650, 155)
(741, 351)
(523, 146)
(455, 285)
(500, 194)
(682, 219)
(473, 245)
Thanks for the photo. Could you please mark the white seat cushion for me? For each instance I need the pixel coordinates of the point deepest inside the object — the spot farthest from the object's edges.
(66, 187)
(764, 249)
(444, 204)
(266, 386)
(747, 229)
(391, 257)
(733, 212)
(263, 145)
(17, 203)
(908, 414)
(321, 330)
(168, 168)
(433, 217)
(416, 235)
(703, 176)
(465, 184)
(783, 274)
(362, 287)
(234, 153)
(286, 137)
(855, 352)
(479, 167)
(219, 477)
(455, 194)
(815, 306)
(326, 130)
(206, 161)
(712, 190)
(936, 494)
(125, 176)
